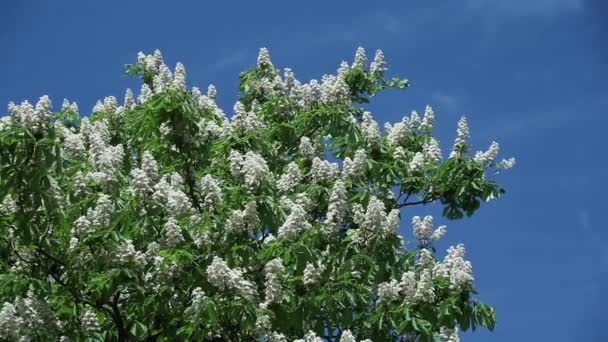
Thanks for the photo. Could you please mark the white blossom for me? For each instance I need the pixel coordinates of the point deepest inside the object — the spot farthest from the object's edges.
(487, 157)
(129, 102)
(462, 137)
(211, 92)
(145, 94)
(449, 335)
(370, 130)
(454, 267)
(427, 120)
(398, 132)
(347, 336)
(245, 121)
(290, 179)
(334, 90)
(211, 192)
(357, 166)
(378, 65)
(312, 273)
(295, 222)
(307, 150)
(360, 58)
(149, 166)
(243, 221)
(338, 205)
(423, 230)
(173, 234)
(431, 151)
(506, 164)
(424, 288)
(179, 77)
(89, 322)
(322, 170)
(417, 163)
(225, 278)
(264, 59)
(274, 271)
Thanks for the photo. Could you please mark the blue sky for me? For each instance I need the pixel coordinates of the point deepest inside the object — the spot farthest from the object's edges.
(528, 73)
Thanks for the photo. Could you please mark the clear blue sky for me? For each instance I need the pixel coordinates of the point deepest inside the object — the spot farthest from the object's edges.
(529, 73)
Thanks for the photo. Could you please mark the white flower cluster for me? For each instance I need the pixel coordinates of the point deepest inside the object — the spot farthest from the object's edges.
(198, 295)
(431, 151)
(211, 192)
(462, 137)
(375, 220)
(322, 170)
(487, 157)
(416, 165)
(97, 217)
(295, 222)
(290, 179)
(89, 323)
(357, 166)
(127, 254)
(428, 120)
(506, 164)
(143, 179)
(26, 318)
(309, 337)
(312, 273)
(66, 106)
(334, 89)
(274, 270)
(398, 132)
(163, 79)
(251, 167)
(171, 193)
(264, 58)
(423, 230)
(370, 130)
(307, 150)
(262, 324)
(454, 267)
(409, 290)
(173, 233)
(360, 58)
(338, 205)
(106, 158)
(33, 118)
(243, 221)
(245, 121)
(225, 278)
(449, 335)
(378, 65)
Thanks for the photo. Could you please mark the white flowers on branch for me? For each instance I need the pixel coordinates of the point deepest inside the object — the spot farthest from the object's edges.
(423, 230)
(290, 179)
(274, 270)
(243, 221)
(251, 167)
(225, 278)
(322, 170)
(462, 137)
(357, 166)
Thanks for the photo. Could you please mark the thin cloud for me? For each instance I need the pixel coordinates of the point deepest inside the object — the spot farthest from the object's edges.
(525, 7)
(445, 100)
(235, 58)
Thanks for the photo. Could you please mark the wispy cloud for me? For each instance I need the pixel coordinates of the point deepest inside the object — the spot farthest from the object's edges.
(524, 7)
(390, 23)
(235, 58)
(448, 101)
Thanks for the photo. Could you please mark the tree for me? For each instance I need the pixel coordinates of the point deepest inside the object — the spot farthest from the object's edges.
(161, 220)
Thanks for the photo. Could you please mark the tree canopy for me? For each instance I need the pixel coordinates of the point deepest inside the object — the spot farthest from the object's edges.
(161, 220)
